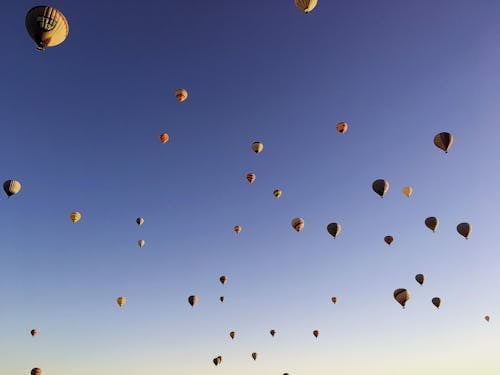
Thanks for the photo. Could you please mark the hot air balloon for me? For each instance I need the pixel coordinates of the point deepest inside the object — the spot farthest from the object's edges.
(221, 298)
(432, 223)
(141, 243)
(388, 239)
(164, 137)
(402, 296)
(139, 221)
(34, 332)
(193, 300)
(232, 334)
(298, 224)
(487, 318)
(11, 187)
(407, 190)
(36, 371)
(342, 127)
(237, 229)
(272, 332)
(223, 279)
(254, 356)
(443, 141)
(316, 333)
(277, 193)
(217, 360)
(306, 5)
(181, 95)
(436, 301)
(420, 279)
(47, 26)
(380, 187)
(257, 147)
(464, 229)
(121, 301)
(334, 229)
(75, 216)
(251, 177)
(334, 300)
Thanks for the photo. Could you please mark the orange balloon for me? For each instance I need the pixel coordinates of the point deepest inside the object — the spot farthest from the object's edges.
(164, 137)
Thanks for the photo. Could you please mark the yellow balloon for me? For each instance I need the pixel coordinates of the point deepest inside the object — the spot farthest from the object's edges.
(407, 190)
(11, 187)
(75, 216)
(277, 193)
(306, 5)
(121, 301)
(47, 26)
(181, 95)
(257, 147)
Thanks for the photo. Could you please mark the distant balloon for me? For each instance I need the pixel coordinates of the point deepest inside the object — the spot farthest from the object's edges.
(436, 301)
(334, 300)
(221, 298)
(443, 141)
(407, 190)
(193, 300)
(34, 332)
(316, 333)
(181, 95)
(47, 26)
(298, 224)
(277, 193)
(237, 229)
(75, 216)
(257, 147)
(139, 221)
(402, 296)
(232, 334)
(487, 318)
(254, 356)
(121, 301)
(334, 229)
(11, 187)
(420, 279)
(388, 239)
(306, 5)
(272, 332)
(342, 127)
(141, 243)
(251, 177)
(223, 279)
(36, 371)
(164, 137)
(380, 187)
(432, 223)
(464, 229)
(217, 360)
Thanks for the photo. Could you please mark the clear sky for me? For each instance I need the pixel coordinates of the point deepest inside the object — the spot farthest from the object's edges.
(80, 125)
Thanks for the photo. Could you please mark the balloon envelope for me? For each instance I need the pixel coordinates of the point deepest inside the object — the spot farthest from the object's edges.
(121, 301)
(342, 127)
(402, 296)
(11, 187)
(306, 5)
(34, 332)
(388, 239)
(277, 193)
(181, 95)
(257, 147)
(436, 301)
(432, 223)
(47, 26)
(164, 137)
(254, 356)
(407, 190)
(334, 300)
(251, 177)
(232, 334)
(141, 243)
(380, 187)
(420, 278)
(443, 141)
(487, 318)
(464, 229)
(237, 229)
(298, 224)
(223, 279)
(334, 229)
(316, 333)
(193, 300)
(36, 371)
(272, 332)
(75, 216)
(139, 221)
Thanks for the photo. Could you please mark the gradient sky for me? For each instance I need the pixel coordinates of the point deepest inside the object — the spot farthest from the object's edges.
(80, 125)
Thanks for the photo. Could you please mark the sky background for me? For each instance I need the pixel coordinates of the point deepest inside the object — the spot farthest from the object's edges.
(80, 125)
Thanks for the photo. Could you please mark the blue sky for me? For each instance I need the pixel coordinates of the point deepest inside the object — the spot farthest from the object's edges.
(80, 128)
